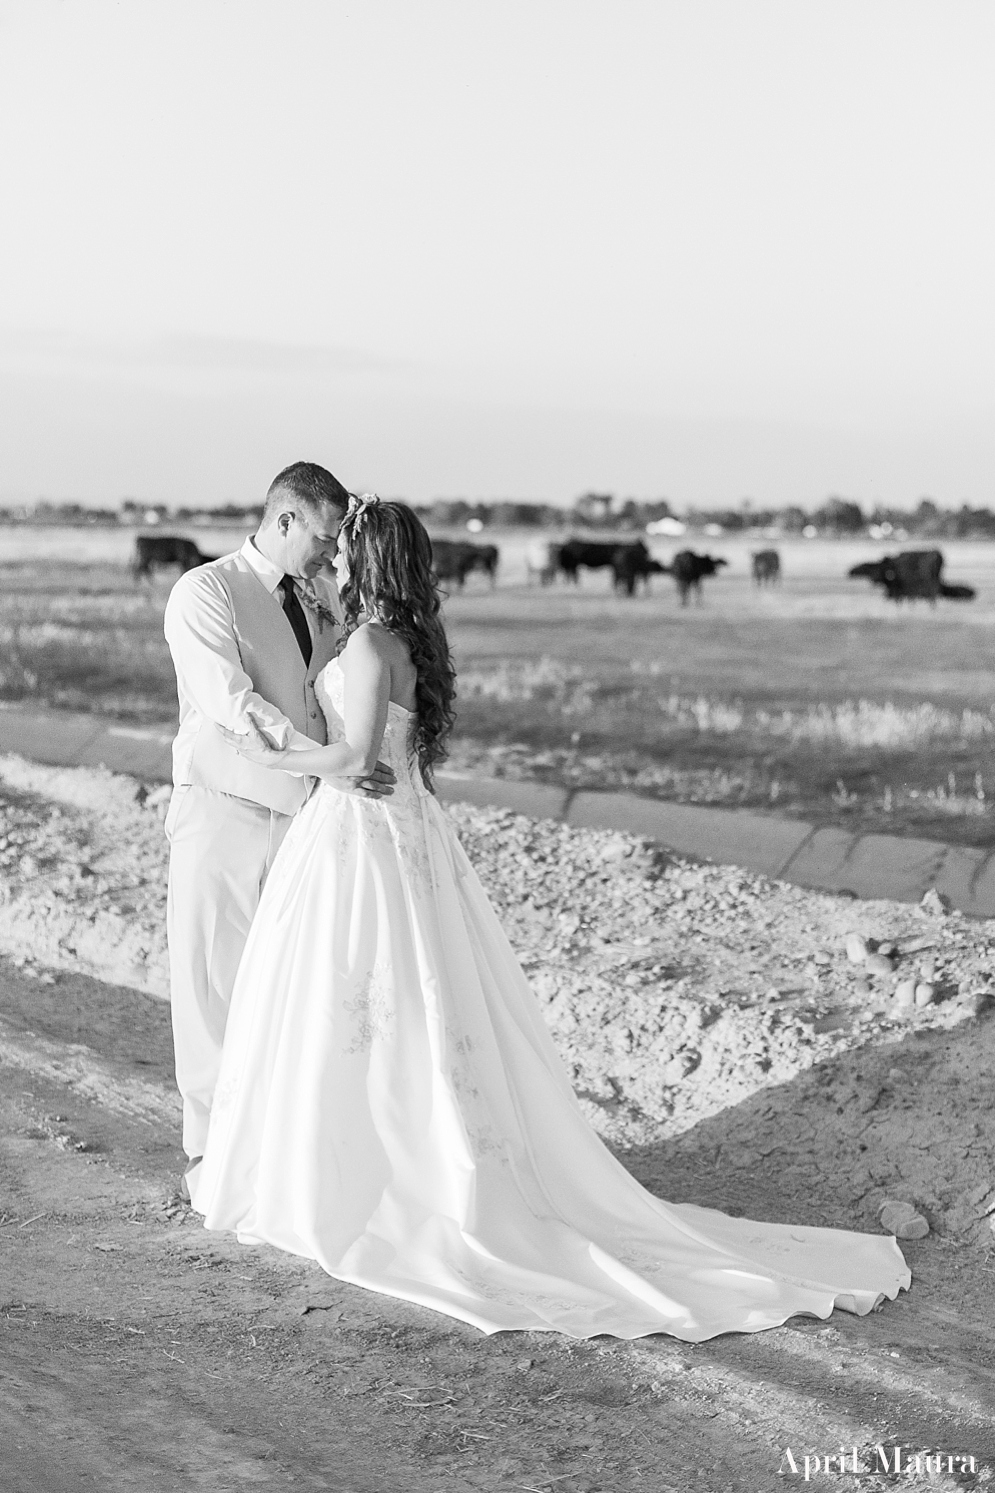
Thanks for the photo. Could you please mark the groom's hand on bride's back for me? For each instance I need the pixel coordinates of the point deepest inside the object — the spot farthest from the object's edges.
(378, 784)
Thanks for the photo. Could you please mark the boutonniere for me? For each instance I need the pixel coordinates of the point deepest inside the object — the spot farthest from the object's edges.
(311, 601)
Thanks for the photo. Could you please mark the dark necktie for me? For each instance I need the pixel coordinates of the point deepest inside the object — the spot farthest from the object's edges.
(296, 617)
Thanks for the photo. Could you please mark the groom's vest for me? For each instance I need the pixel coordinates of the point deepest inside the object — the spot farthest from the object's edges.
(269, 654)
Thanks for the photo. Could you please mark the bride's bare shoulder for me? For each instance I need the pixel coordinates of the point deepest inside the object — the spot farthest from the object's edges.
(373, 642)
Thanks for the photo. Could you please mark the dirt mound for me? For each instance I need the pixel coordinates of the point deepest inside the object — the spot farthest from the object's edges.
(82, 873)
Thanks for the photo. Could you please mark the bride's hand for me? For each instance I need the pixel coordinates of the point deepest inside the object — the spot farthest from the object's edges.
(253, 746)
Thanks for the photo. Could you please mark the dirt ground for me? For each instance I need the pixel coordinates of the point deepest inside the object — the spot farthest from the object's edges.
(722, 1043)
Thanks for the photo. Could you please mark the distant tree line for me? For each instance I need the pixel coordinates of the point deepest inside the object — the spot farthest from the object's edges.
(128, 514)
(836, 517)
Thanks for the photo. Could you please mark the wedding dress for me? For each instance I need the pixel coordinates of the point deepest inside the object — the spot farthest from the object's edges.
(391, 1105)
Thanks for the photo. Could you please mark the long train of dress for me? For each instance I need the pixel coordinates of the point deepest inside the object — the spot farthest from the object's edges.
(391, 1105)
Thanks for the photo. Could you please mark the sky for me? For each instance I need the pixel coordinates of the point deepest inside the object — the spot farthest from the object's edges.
(705, 251)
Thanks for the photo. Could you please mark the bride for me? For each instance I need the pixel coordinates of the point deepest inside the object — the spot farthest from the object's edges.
(390, 1103)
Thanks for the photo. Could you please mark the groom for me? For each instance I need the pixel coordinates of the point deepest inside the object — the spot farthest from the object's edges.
(248, 634)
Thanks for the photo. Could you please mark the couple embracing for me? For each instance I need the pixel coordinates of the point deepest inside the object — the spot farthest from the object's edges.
(366, 1076)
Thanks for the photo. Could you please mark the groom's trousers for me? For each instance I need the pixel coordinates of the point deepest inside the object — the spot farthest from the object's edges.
(220, 850)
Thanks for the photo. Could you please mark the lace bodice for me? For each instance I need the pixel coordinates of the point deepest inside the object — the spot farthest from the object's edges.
(397, 750)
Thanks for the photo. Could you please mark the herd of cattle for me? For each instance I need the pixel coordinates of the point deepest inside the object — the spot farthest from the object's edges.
(629, 563)
(454, 559)
(910, 576)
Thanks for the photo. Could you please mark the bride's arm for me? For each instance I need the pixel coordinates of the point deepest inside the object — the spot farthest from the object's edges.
(366, 671)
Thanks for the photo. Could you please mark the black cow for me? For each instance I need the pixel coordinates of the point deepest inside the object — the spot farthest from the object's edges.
(451, 560)
(593, 555)
(690, 569)
(454, 559)
(766, 567)
(628, 563)
(152, 550)
(909, 576)
(486, 559)
(632, 563)
(912, 575)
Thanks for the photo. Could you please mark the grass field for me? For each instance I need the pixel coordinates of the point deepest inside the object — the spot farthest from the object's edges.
(818, 699)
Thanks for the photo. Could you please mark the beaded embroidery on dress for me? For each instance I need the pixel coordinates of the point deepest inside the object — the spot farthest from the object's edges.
(392, 1106)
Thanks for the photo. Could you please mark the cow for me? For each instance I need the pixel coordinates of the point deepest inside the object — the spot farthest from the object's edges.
(486, 559)
(628, 563)
(542, 560)
(451, 560)
(152, 550)
(912, 575)
(632, 563)
(454, 559)
(690, 569)
(591, 554)
(766, 566)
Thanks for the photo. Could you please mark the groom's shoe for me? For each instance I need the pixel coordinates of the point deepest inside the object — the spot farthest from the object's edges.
(184, 1183)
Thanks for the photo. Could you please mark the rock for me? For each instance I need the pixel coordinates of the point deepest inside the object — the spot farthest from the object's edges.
(935, 902)
(902, 1220)
(928, 969)
(905, 993)
(617, 849)
(878, 964)
(821, 957)
(924, 994)
(856, 948)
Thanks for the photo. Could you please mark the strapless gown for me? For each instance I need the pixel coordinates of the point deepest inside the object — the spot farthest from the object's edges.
(391, 1105)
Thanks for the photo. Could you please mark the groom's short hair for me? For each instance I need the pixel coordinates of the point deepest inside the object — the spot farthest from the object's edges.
(310, 485)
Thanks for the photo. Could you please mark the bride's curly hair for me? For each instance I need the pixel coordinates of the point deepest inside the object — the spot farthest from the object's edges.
(390, 574)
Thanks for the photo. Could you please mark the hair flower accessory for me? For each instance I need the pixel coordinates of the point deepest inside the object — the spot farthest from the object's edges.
(359, 505)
